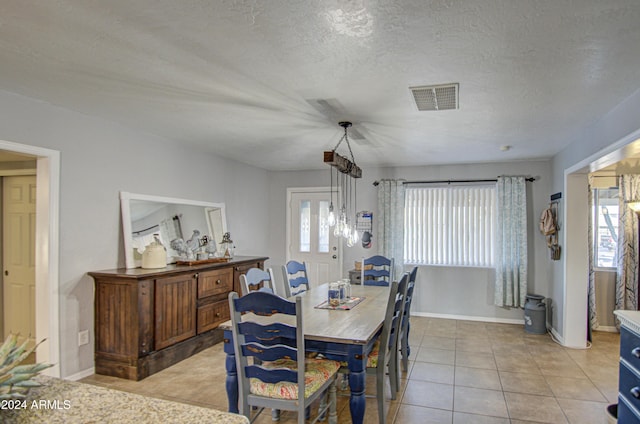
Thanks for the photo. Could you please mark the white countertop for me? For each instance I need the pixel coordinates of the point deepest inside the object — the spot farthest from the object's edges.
(69, 402)
(629, 319)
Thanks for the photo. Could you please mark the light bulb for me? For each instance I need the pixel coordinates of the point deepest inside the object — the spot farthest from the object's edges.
(355, 236)
(350, 242)
(346, 230)
(337, 230)
(331, 219)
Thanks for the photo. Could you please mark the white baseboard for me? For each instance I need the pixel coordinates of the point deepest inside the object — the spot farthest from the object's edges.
(82, 374)
(470, 318)
(556, 336)
(606, 329)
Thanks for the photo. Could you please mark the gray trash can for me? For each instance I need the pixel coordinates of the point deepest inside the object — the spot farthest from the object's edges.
(535, 313)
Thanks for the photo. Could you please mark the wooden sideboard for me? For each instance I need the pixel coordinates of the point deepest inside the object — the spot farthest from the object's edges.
(149, 319)
(629, 369)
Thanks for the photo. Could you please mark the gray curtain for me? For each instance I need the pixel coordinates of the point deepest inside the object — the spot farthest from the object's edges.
(511, 242)
(627, 266)
(593, 317)
(391, 222)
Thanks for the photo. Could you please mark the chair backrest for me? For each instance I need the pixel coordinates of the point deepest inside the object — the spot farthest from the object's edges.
(295, 278)
(410, 286)
(266, 338)
(392, 319)
(258, 279)
(377, 271)
(398, 312)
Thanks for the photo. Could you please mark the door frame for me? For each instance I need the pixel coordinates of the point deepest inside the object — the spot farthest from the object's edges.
(47, 251)
(575, 261)
(290, 191)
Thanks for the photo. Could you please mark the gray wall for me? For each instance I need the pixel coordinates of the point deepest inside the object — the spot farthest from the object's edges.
(439, 288)
(98, 160)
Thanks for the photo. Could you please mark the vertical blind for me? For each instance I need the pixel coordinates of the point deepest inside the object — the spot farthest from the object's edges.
(451, 226)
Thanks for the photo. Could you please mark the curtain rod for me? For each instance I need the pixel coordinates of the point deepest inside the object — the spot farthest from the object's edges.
(375, 183)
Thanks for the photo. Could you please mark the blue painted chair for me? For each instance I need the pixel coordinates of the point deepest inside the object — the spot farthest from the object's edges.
(405, 349)
(376, 271)
(258, 279)
(279, 376)
(295, 278)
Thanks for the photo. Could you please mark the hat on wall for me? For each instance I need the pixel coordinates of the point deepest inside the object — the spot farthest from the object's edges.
(366, 239)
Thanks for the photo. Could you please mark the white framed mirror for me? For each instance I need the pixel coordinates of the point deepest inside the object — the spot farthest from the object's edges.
(171, 218)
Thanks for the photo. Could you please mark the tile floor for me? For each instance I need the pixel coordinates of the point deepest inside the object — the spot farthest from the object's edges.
(461, 372)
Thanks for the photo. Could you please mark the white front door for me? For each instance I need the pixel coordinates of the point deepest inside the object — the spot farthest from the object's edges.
(19, 218)
(310, 239)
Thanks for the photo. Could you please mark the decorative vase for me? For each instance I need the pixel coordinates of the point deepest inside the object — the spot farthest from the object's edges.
(154, 255)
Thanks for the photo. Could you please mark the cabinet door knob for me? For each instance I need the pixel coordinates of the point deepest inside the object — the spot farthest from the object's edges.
(217, 314)
(219, 281)
(635, 392)
(196, 275)
(636, 352)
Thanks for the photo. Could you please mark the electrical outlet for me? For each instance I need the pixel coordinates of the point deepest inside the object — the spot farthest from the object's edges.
(83, 337)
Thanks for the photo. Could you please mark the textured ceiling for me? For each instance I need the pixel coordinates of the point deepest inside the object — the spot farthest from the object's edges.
(243, 78)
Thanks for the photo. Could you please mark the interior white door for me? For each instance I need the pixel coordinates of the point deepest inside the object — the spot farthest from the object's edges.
(19, 285)
(311, 240)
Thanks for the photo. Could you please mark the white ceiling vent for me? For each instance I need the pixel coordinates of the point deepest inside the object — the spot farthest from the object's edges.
(436, 97)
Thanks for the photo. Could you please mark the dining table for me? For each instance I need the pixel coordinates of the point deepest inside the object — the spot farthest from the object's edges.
(341, 334)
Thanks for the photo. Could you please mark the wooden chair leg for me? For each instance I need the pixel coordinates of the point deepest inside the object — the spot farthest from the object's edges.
(323, 404)
(382, 418)
(406, 348)
(394, 374)
(333, 406)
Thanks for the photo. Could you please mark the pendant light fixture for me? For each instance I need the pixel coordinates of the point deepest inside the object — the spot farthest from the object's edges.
(347, 173)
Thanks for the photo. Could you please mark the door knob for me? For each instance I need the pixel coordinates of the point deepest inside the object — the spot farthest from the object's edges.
(335, 256)
(6, 272)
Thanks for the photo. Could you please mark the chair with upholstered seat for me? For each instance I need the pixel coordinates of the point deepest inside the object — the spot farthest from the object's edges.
(278, 375)
(383, 357)
(258, 279)
(295, 278)
(376, 271)
(405, 349)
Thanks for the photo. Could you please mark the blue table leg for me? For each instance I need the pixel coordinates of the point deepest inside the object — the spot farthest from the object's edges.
(357, 381)
(231, 383)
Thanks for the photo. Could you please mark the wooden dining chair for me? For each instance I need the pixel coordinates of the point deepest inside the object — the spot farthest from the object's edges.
(258, 279)
(405, 349)
(295, 278)
(383, 358)
(279, 376)
(376, 271)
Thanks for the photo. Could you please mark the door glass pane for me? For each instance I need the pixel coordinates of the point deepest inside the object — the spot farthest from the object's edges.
(305, 226)
(606, 232)
(323, 226)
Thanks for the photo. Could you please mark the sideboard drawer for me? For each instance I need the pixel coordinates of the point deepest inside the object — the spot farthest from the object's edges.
(212, 315)
(215, 282)
(625, 413)
(629, 385)
(630, 347)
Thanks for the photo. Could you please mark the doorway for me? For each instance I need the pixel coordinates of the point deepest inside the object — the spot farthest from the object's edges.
(47, 322)
(309, 237)
(576, 258)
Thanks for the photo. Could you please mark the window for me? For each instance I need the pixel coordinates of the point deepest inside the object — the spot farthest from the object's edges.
(452, 226)
(305, 226)
(605, 231)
